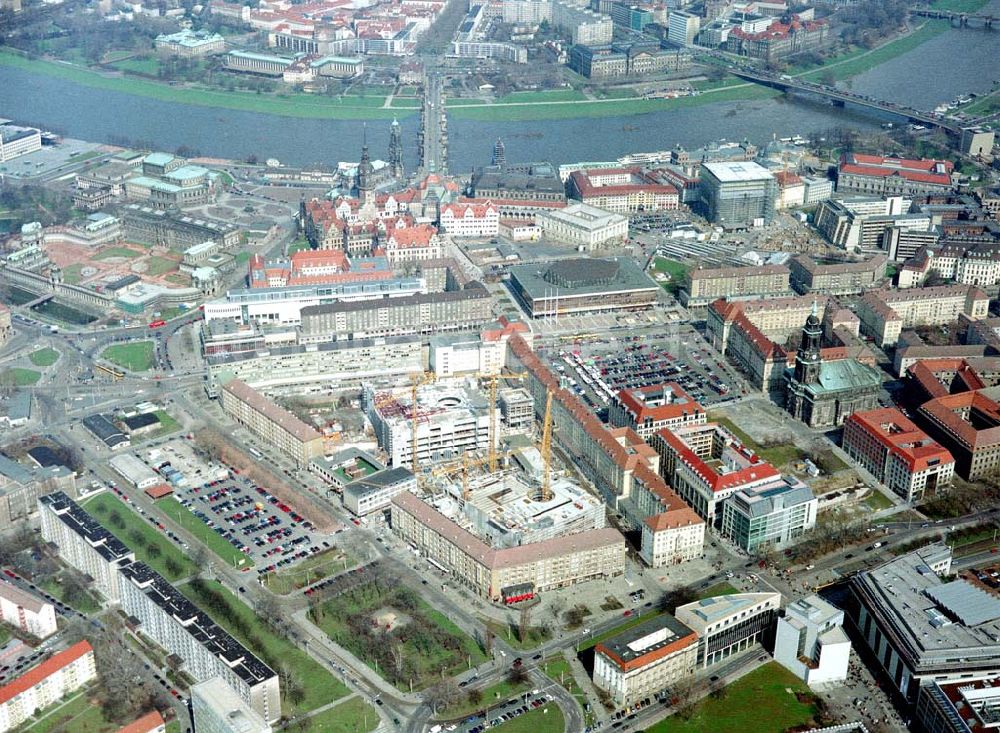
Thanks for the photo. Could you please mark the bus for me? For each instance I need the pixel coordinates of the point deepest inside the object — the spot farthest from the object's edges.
(256, 453)
(157, 323)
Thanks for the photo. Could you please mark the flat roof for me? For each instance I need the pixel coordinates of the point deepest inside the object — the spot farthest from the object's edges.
(966, 602)
(581, 276)
(648, 641)
(738, 171)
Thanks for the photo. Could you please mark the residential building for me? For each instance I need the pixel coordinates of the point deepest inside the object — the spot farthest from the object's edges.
(584, 226)
(83, 543)
(647, 410)
(702, 286)
(969, 263)
(835, 278)
(582, 285)
(271, 423)
(810, 641)
(770, 517)
(496, 574)
(585, 27)
(645, 659)
(968, 424)
(895, 451)
(683, 27)
(374, 493)
(26, 611)
(885, 313)
(169, 619)
(877, 175)
(526, 12)
(738, 195)
(728, 625)
(470, 219)
(622, 190)
(151, 722)
(190, 44)
(921, 628)
(216, 708)
(17, 141)
(45, 684)
(823, 393)
(21, 485)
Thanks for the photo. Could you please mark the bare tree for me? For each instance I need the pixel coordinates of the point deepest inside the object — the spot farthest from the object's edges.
(441, 695)
(524, 624)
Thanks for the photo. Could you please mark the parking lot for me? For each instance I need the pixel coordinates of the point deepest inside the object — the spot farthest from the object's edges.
(599, 369)
(499, 714)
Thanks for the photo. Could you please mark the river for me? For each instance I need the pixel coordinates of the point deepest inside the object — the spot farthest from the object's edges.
(953, 63)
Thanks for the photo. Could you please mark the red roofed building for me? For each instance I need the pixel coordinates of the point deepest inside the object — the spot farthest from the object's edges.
(622, 190)
(470, 218)
(45, 684)
(648, 410)
(149, 723)
(968, 423)
(877, 175)
(779, 39)
(314, 267)
(412, 244)
(899, 454)
(645, 659)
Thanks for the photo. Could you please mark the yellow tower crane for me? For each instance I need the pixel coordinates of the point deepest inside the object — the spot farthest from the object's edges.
(494, 379)
(546, 451)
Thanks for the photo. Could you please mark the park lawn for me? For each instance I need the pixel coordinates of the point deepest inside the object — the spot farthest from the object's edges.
(365, 101)
(634, 620)
(73, 274)
(319, 686)
(959, 6)
(719, 589)
(148, 543)
(156, 266)
(136, 356)
(299, 245)
(546, 719)
(676, 270)
(4, 635)
(110, 252)
(45, 357)
(537, 635)
(286, 105)
(336, 611)
(87, 605)
(554, 95)
(138, 66)
(20, 377)
(877, 501)
(777, 455)
(203, 533)
(558, 670)
(78, 714)
(500, 692)
(764, 701)
(616, 94)
(178, 278)
(309, 571)
(350, 716)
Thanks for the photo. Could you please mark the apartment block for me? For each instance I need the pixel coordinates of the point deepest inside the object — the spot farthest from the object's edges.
(46, 684)
(216, 708)
(645, 659)
(84, 543)
(702, 286)
(180, 627)
(885, 313)
(839, 278)
(895, 451)
(969, 263)
(26, 611)
(271, 423)
(647, 410)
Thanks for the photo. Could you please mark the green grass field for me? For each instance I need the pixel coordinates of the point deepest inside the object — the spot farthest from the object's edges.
(777, 455)
(4, 635)
(19, 377)
(44, 357)
(350, 716)
(202, 532)
(76, 713)
(309, 571)
(719, 589)
(430, 642)
(558, 670)
(877, 501)
(136, 356)
(112, 252)
(555, 95)
(536, 635)
(319, 686)
(87, 604)
(765, 701)
(73, 273)
(546, 719)
(148, 543)
(959, 6)
(138, 66)
(500, 692)
(156, 266)
(676, 270)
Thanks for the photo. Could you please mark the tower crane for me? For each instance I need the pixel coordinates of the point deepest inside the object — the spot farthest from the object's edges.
(546, 494)
(494, 379)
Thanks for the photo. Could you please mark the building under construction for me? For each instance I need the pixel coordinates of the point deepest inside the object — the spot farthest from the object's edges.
(449, 419)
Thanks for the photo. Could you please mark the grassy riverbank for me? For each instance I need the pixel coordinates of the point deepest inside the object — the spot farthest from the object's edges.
(286, 105)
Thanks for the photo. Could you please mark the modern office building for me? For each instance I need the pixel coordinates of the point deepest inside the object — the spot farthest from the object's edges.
(271, 423)
(810, 641)
(704, 285)
(500, 574)
(16, 141)
(648, 410)
(208, 651)
(645, 659)
(895, 451)
(921, 628)
(41, 686)
(84, 543)
(738, 195)
(216, 708)
(769, 517)
(373, 493)
(582, 285)
(26, 611)
(728, 625)
(683, 27)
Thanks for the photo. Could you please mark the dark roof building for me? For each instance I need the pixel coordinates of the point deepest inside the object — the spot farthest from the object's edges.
(582, 284)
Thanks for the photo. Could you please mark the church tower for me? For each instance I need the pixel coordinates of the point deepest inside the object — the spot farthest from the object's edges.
(366, 183)
(395, 151)
(808, 361)
(499, 155)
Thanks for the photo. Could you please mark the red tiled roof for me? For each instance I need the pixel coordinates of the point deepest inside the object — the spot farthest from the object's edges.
(944, 412)
(922, 171)
(757, 471)
(145, 724)
(643, 660)
(901, 437)
(47, 668)
(681, 404)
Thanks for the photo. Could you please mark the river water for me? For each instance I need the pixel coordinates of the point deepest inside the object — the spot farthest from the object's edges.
(953, 63)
